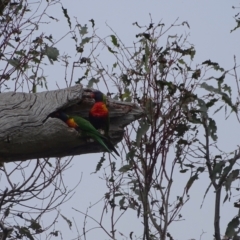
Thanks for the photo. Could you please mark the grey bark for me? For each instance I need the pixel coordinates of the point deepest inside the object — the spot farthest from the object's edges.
(27, 131)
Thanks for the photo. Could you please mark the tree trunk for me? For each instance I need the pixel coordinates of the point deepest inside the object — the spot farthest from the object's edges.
(27, 131)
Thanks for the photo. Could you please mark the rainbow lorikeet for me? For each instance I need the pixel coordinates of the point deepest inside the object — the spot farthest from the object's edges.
(99, 114)
(87, 130)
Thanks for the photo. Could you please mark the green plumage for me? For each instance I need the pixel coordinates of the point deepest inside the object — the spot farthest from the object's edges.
(99, 117)
(86, 128)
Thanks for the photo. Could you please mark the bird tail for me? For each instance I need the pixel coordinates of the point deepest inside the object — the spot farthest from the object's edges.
(110, 145)
(102, 141)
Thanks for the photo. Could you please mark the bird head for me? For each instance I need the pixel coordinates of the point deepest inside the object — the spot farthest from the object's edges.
(98, 96)
(61, 115)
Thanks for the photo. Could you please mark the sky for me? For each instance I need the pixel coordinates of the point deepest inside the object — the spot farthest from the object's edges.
(210, 24)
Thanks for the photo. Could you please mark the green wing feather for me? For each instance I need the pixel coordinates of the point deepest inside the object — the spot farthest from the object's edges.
(88, 130)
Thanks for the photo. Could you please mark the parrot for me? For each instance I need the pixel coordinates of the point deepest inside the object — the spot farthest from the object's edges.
(99, 114)
(87, 130)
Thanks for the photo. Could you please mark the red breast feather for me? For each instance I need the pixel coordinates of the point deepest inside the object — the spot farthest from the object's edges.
(98, 115)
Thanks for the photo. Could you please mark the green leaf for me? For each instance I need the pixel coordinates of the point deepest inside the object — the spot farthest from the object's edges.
(80, 79)
(227, 88)
(214, 64)
(92, 81)
(212, 127)
(116, 97)
(124, 78)
(218, 109)
(172, 36)
(189, 165)
(34, 88)
(172, 88)
(142, 129)
(193, 116)
(202, 107)
(25, 232)
(146, 59)
(85, 40)
(238, 25)
(225, 97)
(228, 101)
(99, 165)
(67, 220)
(79, 49)
(137, 53)
(114, 41)
(211, 102)
(9, 44)
(93, 23)
(220, 80)
(127, 95)
(145, 35)
(191, 181)
(231, 177)
(55, 234)
(205, 194)
(200, 169)
(6, 212)
(192, 52)
(225, 199)
(67, 17)
(35, 225)
(21, 52)
(210, 88)
(181, 61)
(121, 203)
(196, 74)
(130, 235)
(130, 155)
(49, 38)
(118, 194)
(182, 141)
(232, 225)
(86, 72)
(83, 30)
(14, 62)
(113, 166)
(189, 51)
(185, 22)
(217, 156)
(149, 106)
(136, 23)
(114, 65)
(110, 50)
(226, 171)
(157, 186)
(217, 169)
(125, 168)
(52, 53)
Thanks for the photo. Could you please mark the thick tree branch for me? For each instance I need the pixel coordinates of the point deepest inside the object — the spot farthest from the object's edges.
(27, 131)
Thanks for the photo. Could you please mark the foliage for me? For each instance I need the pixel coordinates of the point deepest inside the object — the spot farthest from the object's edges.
(237, 19)
(177, 134)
